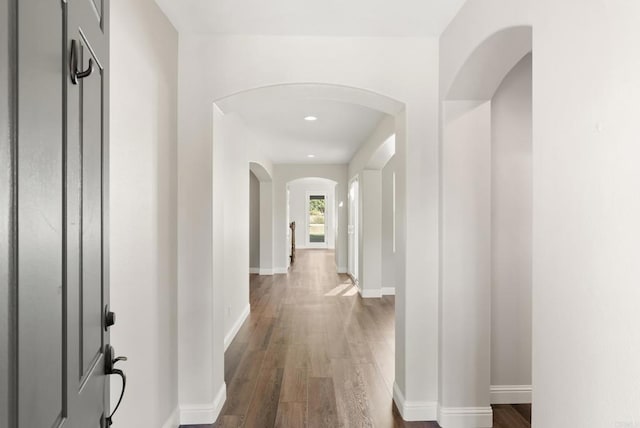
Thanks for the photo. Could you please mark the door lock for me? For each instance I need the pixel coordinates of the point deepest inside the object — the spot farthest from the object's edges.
(109, 318)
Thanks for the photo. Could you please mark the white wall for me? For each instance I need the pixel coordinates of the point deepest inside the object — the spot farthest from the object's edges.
(284, 174)
(511, 223)
(586, 344)
(233, 142)
(299, 191)
(370, 223)
(388, 255)
(143, 201)
(466, 252)
(254, 221)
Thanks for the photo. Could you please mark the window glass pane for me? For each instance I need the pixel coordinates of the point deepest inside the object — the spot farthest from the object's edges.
(317, 219)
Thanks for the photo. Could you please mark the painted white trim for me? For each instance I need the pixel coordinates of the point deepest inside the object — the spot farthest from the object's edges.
(261, 271)
(378, 293)
(370, 294)
(174, 419)
(511, 394)
(236, 327)
(203, 414)
(465, 417)
(414, 410)
(388, 291)
(343, 270)
(280, 271)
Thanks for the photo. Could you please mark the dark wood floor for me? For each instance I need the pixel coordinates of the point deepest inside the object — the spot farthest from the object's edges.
(314, 354)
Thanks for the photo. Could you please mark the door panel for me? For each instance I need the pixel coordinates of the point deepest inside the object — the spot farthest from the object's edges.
(40, 222)
(90, 99)
(86, 205)
(56, 234)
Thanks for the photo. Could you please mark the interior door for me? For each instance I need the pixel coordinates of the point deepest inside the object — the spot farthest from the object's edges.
(86, 204)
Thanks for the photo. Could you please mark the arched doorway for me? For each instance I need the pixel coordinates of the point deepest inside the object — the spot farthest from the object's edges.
(480, 141)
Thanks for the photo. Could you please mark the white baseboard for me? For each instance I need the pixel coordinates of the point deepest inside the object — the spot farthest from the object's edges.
(511, 394)
(343, 270)
(280, 271)
(370, 294)
(378, 293)
(465, 417)
(414, 410)
(260, 271)
(174, 419)
(236, 327)
(203, 414)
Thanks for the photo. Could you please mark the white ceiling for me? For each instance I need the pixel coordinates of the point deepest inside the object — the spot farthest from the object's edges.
(364, 18)
(279, 121)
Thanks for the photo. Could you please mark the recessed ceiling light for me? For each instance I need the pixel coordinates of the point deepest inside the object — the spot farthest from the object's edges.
(310, 118)
(311, 156)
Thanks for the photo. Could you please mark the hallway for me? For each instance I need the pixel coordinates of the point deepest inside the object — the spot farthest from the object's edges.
(313, 353)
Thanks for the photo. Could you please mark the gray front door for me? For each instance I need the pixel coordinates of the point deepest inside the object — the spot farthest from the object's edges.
(86, 211)
(54, 285)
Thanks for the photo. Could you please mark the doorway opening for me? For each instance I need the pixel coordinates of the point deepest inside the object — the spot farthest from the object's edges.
(354, 230)
(486, 249)
(316, 220)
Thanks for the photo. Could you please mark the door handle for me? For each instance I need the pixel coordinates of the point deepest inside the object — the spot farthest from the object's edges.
(73, 65)
(109, 369)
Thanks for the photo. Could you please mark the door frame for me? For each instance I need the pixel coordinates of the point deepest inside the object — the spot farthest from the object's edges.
(353, 230)
(307, 199)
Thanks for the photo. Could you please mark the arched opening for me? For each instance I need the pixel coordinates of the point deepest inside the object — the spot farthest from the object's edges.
(235, 143)
(486, 207)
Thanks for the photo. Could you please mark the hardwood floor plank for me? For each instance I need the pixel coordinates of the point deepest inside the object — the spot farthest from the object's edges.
(378, 395)
(232, 359)
(351, 396)
(322, 407)
(505, 416)
(294, 385)
(239, 394)
(230, 422)
(524, 410)
(291, 415)
(264, 405)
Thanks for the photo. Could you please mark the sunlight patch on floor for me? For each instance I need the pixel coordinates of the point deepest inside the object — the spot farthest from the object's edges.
(352, 292)
(339, 289)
